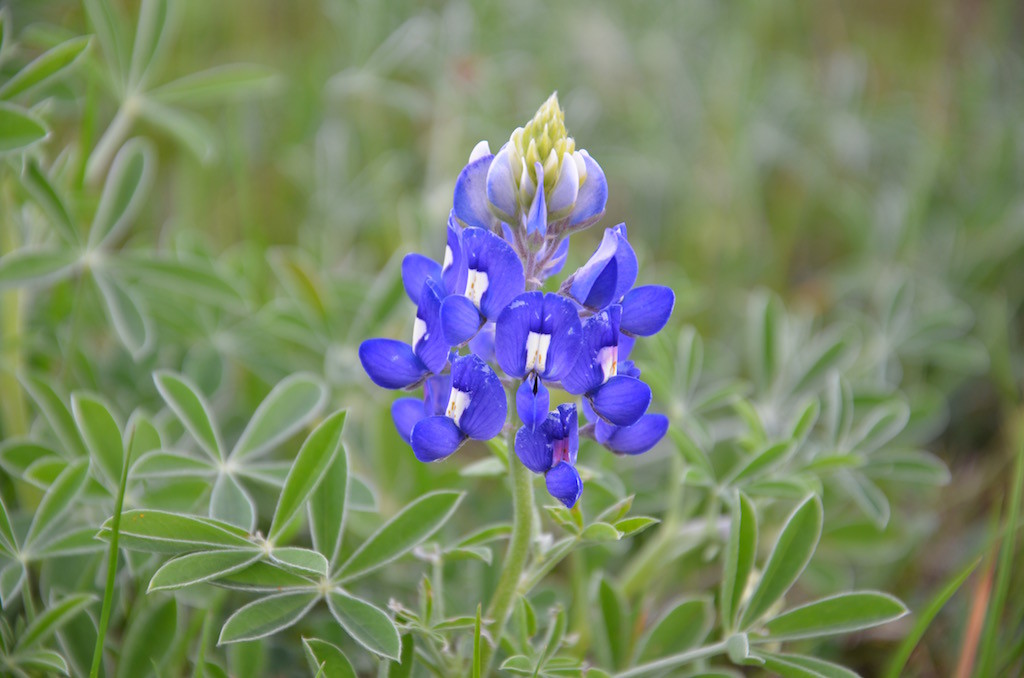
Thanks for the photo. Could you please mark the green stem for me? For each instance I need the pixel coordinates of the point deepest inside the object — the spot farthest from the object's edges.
(115, 533)
(515, 558)
(674, 660)
(111, 141)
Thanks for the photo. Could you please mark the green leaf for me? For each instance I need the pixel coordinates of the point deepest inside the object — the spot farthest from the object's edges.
(7, 538)
(327, 660)
(39, 186)
(615, 621)
(881, 425)
(202, 566)
(738, 560)
(789, 557)
(366, 624)
(193, 131)
(151, 631)
(105, 20)
(553, 639)
(187, 276)
(842, 613)
(635, 525)
(308, 469)
(191, 408)
(125, 191)
(764, 460)
(165, 532)
(36, 267)
(127, 314)
(50, 620)
(12, 578)
(53, 63)
(266, 616)
(149, 37)
(76, 541)
(216, 85)
(912, 466)
(267, 577)
(412, 525)
(601, 532)
(285, 410)
(19, 129)
(800, 666)
(160, 464)
(231, 503)
(56, 412)
(518, 663)
(101, 434)
(684, 626)
(868, 497)
(46, 661)
(302, 559)
(57, 501)
(403, 667)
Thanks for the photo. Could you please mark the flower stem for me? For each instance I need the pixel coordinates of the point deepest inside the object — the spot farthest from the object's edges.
(515, 558)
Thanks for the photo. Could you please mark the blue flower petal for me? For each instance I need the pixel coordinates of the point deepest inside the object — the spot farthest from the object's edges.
(560, 320)
(563, 425)
(600, 331)
(564, 483)
(626, 344)
(557, 261)
(533, 450)
(391, 363)
(485, 414)
(435, 438)
(646, 309)
(592, 197)
(483, 343)
(501, 187)
(453, 268)
(430, 345)
(566, 188)
(608, 274)
(490, 256)
(532, 402)
(416, 270)
(621, 400)
(537, 219)
(512, 330)
(470, 201)
(435, 394)
(460, 320)
(406, 413)
(635, 439)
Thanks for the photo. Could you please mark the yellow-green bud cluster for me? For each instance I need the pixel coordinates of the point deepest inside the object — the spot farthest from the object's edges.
(544, 139)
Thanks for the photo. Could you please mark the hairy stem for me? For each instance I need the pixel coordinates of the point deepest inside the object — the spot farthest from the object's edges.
(515, 558)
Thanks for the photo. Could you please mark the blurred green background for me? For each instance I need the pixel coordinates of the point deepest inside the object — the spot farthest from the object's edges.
(834, 153)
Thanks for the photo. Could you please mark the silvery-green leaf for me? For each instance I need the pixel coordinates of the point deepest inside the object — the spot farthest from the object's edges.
(51, 64)
(101, 433)
(266, 616)
(57, 414)
(231, 503)
(125, 191)
(802, 666)
(19, 129)
(47, 661)
(366, 624)
(306, 560)
(201, 566)
(285, 410)
(39, 186)
(169, 464)
(327, 507)
(150, 35)
(165, 532)
(127, 314)
(25, 267)
(326, 660)
(191, 408)
(150, 635)
(217, 85)
(738, 560)
(841, 613)
(57, 500)
(50, 620)
(191, 130)
(683, 626)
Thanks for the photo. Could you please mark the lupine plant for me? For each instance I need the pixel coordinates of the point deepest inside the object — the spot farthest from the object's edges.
(245, 431)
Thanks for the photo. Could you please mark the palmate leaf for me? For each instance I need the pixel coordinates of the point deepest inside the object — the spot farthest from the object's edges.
(231, 503)
(190, 406)
(327, 507)
(841, 613)
(36, 266)
(57, 413)
(127, 314)
(53, 63)
(42, 190)
(411, 526)
(286, 409)
(19, 128)
(194, 568)
(366, 624)
(684, 626)
(57, 500)
(127, 186)
(216, 85)
(295, 558)
(266, 616)
(165, 532)
(327, 660)
(151, 632)
(789, 557)
(739, 557)
(101, 433)
(150, 35)
(50, 620)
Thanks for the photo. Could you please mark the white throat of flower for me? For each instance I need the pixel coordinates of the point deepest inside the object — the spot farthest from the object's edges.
(608, 359)
(448, 258)
(476, 285)
(537, 346)
(419, 331)
(458, 401)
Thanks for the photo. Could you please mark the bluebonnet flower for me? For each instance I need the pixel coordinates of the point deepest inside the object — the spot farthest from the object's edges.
(551, 448)
(481, 309)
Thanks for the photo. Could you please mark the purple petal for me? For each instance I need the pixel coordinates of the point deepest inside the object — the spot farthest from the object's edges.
(646, 309)
(512, 329)
(561, 321)
(592, 197)
(430, 344)
(564, 484)
(416, 270)
(453, 269)
(537, 219)
(459, 320)
(470, 201)
(501, 187)
(487, 410)
(391, 363)
(621, 400)
(490, 256)
(435, 394)
(483, 343)
(558, 259)
(635, 439)
(406, 413)
(565, 190)
(588, 411)
(608, 274)
(533, 450)
(626, 343)
(435, 438)
(562, 429)
(532, 402)
(600, 331)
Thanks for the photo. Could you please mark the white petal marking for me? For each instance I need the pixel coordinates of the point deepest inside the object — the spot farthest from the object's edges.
(537, 346)
(419, 331)
(476, 285)
(458, 401)
(608, 359)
